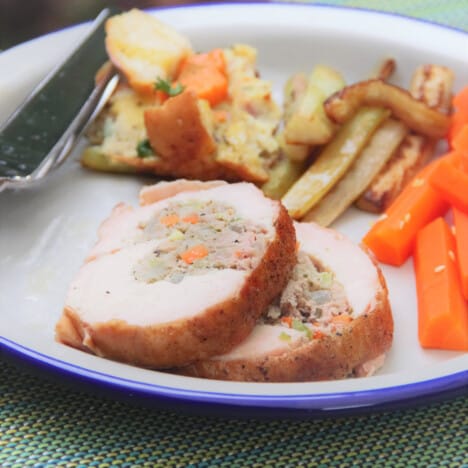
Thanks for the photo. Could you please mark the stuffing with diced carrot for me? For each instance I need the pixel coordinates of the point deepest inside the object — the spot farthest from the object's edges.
(205, 74)
(442, 309)
(414, 225)
(194, 253)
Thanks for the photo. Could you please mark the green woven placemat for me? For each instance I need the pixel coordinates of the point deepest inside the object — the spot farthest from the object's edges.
(452, 13)
(43, 425)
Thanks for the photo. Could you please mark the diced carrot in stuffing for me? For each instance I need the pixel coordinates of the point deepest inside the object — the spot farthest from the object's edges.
(192, 219)
(287, 321)
(341, 319)
(194, 253)
(205, 74)
(169, 220)
(318, 334)
(392, 238)
(442, 309)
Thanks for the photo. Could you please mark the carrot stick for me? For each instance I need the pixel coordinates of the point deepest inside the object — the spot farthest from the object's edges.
(460, 141)
(451, 182)
(392, 238)
(205, 74)
(194, 253)
(460, 101)
(457, 122)
(460, 116)
(461, 240)
(442, 309)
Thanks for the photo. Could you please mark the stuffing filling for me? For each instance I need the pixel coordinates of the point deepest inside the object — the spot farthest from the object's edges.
(198, 237)
(313, 302)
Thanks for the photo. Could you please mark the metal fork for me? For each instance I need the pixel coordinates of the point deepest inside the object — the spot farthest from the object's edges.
(41, 133)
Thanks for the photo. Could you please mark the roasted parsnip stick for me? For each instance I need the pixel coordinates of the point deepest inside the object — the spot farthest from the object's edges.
(432, 84)
(417, 115)
(333, 161)
(377, 151)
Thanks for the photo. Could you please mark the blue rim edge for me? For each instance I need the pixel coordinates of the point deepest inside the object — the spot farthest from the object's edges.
(234, 405)
(196, 401)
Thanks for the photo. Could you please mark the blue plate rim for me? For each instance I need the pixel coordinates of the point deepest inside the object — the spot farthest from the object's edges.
(325, 401)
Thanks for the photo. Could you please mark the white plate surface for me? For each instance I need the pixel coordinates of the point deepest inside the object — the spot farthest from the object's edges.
(46, 231)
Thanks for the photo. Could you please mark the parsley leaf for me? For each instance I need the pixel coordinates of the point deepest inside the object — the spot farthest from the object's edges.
(165, 87)
(144, 149)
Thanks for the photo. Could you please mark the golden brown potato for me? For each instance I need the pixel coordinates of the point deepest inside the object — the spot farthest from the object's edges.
(416, 114)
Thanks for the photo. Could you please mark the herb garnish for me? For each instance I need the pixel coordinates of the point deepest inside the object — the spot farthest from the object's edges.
(165, 87)
(144, 149)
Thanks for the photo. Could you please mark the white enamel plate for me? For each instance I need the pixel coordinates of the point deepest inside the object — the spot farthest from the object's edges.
(46, 231)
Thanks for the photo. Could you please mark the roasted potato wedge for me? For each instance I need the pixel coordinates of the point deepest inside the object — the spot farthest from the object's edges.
(306, 122)
(378, 150)
(333, 161)
(283, 172)
(416, 114)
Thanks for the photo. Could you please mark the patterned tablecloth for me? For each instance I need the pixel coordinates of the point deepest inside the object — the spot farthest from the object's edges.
(42, 424)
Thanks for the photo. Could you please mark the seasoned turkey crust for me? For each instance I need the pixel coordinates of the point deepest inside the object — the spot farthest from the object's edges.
(365, 339)
(214, 329)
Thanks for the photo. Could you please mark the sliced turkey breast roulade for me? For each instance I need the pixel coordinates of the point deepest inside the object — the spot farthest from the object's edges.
(333, 319)
(180, 279)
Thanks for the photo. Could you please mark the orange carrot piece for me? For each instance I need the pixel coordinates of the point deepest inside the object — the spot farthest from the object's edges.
(457, 122)
(461, 241)
(451, 182)
(460, 141)
(460, 101)
(192, 219)
(392, 238)
(169, 220)
(205, 74)
(194, 253)
(287, 321)
(442, 309)
(460, 116)
(341, 319)
(318, 334)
